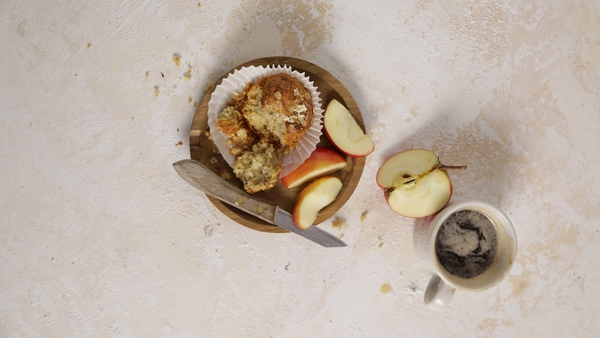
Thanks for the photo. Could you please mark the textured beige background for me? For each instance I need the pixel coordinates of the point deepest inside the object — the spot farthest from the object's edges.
(100, 238)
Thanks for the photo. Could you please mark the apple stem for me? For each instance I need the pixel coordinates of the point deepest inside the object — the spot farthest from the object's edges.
(437, 166)
(451, 167)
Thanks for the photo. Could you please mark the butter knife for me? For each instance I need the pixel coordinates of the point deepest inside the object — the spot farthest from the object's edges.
(201, 177)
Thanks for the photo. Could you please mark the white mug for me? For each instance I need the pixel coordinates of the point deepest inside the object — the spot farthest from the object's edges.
(443, 284)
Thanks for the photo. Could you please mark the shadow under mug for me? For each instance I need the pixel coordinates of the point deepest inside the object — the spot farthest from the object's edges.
(443, 284)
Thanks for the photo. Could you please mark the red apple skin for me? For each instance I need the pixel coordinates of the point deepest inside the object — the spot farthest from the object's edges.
(323, 161)
(346, 152)
(313, 196)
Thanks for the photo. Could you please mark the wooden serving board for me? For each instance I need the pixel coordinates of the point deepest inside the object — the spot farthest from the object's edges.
(204, 150)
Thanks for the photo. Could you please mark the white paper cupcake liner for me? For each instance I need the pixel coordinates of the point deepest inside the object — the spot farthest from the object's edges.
(236, 82)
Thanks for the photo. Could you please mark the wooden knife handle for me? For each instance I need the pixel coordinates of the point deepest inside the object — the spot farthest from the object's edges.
(201, 177)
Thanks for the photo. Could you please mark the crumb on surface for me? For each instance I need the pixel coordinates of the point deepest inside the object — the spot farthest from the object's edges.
(188, 74)
(178, 144)
(385, 288)
(213, 160)
(177, 59)
(338, 223)
(363, 217)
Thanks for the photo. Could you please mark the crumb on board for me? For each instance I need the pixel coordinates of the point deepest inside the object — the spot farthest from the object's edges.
(338, 223)
(213, 160)
(178, 144)
(208, 135)
(156, 91)
(226, 175)
(208, 86)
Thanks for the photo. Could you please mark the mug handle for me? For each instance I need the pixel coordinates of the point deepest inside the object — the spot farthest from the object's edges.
(438, 293)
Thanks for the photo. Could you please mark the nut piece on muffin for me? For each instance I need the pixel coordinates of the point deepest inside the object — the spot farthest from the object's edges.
(263, 123)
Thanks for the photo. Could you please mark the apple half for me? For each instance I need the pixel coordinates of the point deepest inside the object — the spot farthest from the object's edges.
(323, 161)
(344, 132)
(314, 197)
(415, 183)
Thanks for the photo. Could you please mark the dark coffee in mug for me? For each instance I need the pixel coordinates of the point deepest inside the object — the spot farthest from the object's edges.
(466, 243)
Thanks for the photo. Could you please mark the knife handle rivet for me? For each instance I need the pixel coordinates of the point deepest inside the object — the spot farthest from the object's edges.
(240, 200)
(261, 209)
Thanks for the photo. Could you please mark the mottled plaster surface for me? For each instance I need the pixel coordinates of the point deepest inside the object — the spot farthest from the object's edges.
(100, 237)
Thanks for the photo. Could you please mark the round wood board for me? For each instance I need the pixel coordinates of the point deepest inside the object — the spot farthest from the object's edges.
(203, 149)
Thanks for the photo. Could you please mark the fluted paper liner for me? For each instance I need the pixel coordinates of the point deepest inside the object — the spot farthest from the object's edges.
(236, 82)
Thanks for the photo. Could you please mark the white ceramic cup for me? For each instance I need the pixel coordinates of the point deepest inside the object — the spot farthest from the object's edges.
(442, 285)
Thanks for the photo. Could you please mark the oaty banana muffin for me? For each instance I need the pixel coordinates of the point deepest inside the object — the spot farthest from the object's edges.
(262, 123)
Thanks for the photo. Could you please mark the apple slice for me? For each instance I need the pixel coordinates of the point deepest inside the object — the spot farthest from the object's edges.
(322, 161)
(415, 184)
(314, 197)
(343, 131)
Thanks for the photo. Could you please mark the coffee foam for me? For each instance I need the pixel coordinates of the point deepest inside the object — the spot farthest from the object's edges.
(467, 243)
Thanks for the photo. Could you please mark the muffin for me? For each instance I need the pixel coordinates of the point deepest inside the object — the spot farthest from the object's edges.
(279, 110)
(240, 137)
(258, 168)
(263, 123)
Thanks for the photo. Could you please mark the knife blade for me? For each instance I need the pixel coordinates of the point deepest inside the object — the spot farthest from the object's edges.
(202, 178)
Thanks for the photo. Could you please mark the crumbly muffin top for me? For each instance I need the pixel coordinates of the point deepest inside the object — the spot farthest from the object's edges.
(279, 109)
